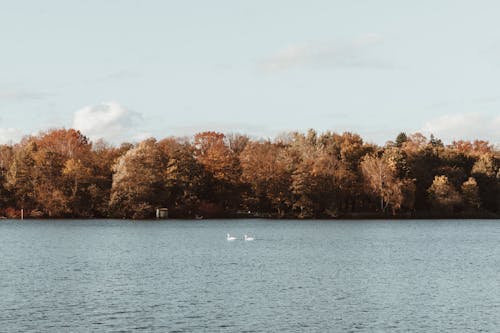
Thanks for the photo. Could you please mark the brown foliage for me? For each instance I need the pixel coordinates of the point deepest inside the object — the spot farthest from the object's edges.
(60, 173)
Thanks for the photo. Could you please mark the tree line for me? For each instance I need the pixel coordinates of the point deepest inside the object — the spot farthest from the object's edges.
(62, 174)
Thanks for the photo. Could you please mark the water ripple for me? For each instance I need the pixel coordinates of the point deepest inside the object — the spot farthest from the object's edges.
(183, 276)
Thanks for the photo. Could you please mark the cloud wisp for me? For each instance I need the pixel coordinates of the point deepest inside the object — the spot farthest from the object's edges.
(10, 135)
(253, 130)
(109, 121)
(467, 126)
(20, 96)
(356, 53)
(117, 76)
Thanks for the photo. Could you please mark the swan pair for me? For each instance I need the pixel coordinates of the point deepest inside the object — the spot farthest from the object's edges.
(245, 237)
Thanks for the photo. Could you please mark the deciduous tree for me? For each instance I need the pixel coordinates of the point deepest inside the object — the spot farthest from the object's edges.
(138, 186)
(381, 179)
(443, 195)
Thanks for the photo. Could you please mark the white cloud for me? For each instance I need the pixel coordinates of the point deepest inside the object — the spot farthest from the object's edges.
(10, 135)
(109, 121)
(354, 53)
(466, 126)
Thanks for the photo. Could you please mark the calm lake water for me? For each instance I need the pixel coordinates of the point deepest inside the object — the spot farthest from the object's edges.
(296, 276)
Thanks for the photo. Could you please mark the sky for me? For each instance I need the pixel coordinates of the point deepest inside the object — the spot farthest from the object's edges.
(125, 70)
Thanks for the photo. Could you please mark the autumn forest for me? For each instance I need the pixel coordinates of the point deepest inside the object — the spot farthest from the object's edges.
(61, 174)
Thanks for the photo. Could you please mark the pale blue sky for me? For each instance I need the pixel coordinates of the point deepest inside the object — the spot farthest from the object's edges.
(124, 70)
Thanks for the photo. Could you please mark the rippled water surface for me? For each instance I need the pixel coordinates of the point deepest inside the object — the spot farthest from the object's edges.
(297, 276)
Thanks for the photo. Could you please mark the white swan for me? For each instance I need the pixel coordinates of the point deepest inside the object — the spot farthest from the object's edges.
(230, 238)
(248, 238)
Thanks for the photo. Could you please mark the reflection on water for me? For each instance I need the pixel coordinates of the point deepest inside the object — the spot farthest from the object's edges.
(296, 276)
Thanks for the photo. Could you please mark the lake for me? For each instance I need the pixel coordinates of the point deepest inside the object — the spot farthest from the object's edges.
(296, 276)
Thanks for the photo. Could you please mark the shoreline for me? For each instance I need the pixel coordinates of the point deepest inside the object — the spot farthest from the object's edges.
(343, 218)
